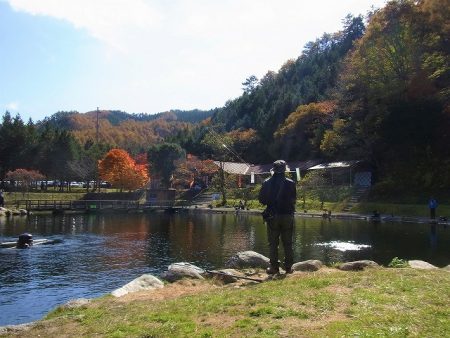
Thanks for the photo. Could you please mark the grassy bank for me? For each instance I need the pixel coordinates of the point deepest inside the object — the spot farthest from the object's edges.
(309, 204)
(377, 302)
(12, 197)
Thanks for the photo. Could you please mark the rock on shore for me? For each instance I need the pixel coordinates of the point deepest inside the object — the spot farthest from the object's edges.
(181, 270)
(248, 259)
(309, 265)
(144, 282)
(357, 265)
(417, 264)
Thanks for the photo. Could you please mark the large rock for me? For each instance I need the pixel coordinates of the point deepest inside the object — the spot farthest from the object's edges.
(309, 265)
(248, 259)
(181, 270)
(357, 265)
(417, 264)
(144, 282)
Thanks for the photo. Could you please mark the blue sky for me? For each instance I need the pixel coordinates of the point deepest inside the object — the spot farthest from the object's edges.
(144, 56)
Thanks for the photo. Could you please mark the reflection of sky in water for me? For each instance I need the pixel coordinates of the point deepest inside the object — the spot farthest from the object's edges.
(344, 246)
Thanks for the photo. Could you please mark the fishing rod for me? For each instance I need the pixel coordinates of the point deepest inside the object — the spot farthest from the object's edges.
(233, 276)
(216, 136)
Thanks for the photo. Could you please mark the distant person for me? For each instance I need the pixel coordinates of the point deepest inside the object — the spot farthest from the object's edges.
(2, 199)
(432, 205)
(241, 205)
(279, 195)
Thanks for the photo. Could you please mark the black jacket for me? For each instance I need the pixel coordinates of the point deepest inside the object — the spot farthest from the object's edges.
(281, 202)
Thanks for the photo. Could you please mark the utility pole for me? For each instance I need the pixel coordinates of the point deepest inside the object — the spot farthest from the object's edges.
(96, 136)
(97, 126)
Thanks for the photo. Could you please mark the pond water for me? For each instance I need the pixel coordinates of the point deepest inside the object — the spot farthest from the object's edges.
(102, 252)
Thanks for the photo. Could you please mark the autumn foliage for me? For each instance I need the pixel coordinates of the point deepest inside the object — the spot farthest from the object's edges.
(24, 176)
(118, 168)
(191, 170)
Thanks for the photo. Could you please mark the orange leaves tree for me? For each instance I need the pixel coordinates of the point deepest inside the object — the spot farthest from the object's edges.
(193, 170)
(119, 169)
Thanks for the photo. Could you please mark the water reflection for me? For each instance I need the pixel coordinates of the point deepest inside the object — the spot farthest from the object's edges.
(101, 253)
(344, 246)
(433, 236)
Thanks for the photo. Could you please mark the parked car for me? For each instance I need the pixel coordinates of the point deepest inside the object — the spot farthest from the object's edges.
(105, 184)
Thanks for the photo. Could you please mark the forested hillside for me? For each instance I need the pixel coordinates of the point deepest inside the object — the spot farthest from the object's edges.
(134, 132)
(311, 77)
(376, 91)
(379, 93)
(250, 121)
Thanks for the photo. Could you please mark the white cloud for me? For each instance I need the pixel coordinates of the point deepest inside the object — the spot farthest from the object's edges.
(12, 106)
(107, 20)
(164, 54)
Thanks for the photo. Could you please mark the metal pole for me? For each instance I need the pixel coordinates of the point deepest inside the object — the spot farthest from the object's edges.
(96, 131)
(97, 126)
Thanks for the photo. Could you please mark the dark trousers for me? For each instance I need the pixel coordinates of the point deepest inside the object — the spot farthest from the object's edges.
(281, 226)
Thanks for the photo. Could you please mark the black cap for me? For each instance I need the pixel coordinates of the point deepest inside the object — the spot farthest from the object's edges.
(279, 166)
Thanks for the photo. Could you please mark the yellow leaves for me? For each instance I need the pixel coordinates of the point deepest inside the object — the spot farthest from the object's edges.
(244, 136)
(304, 116)
(118, 168)
(332, 139)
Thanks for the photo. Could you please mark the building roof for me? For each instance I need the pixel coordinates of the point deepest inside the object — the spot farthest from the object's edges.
(239, 168)
(333, 165)
(233, 167)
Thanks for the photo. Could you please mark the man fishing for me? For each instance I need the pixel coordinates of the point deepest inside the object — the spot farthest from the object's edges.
(279, 195)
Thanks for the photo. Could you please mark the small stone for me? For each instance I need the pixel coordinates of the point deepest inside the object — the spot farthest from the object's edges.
(357, 265)
(418, 264)
(309, 265)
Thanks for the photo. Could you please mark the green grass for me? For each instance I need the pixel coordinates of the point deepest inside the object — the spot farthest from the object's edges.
(330, 303)
(75, 194)
(12, 197)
